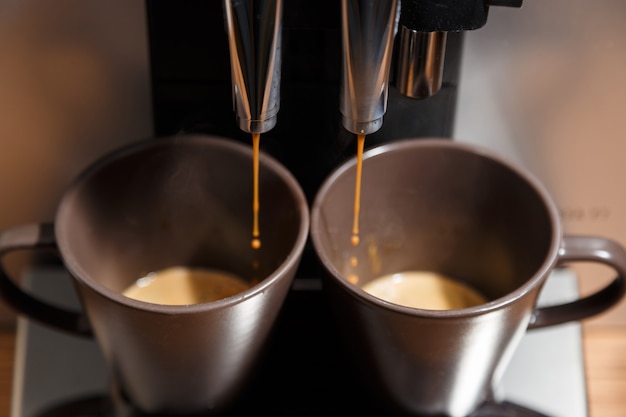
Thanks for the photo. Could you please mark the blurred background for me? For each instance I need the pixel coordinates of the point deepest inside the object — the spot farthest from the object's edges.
(74, 84)
(545, 86)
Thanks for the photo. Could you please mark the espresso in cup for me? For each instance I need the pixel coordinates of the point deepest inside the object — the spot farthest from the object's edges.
(471, 218)
(425, 290)
(179, 285)
(180, 207)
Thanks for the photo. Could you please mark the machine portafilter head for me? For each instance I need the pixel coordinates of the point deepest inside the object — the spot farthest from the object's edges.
(254, 37)
(368, 29)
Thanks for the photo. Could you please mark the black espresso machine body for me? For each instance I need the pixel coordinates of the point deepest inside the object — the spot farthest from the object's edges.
(192, 92)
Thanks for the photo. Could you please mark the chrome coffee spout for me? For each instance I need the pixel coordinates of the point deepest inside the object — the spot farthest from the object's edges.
(368, 29)
(423, 31)
(419, 68)
(254, 38)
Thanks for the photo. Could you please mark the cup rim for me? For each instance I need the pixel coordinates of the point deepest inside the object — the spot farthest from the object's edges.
(540, 275)
(75, 269)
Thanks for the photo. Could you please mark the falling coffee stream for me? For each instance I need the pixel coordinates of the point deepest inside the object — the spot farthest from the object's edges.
(357, 189)
(256, 240)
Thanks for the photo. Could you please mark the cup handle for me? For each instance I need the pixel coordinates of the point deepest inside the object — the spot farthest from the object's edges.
(34, 236)
(586, 249)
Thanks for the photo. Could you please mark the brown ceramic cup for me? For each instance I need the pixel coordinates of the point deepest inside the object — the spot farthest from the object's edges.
(464, 212)
(186, 201)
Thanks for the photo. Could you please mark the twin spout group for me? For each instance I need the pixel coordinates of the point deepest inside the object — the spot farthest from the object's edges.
(369, 29)
(254, 33)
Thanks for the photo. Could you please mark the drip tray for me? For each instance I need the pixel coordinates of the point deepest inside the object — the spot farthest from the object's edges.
(62, 375)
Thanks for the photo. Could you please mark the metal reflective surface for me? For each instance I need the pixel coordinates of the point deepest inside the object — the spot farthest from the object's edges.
(254, 37)
(368, 28)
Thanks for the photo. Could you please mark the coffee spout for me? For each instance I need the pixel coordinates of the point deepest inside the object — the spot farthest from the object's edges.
(423, 31)
(368, 29)
(419, 68)
(254, 38)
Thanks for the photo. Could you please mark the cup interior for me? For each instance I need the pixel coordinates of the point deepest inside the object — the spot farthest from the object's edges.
(183, 201)
(433, 205)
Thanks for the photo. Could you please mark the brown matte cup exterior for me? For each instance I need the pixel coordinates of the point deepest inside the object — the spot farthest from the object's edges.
(438, 205)
(183, 200)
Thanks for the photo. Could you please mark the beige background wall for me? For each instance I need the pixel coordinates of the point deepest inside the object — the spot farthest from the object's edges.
(74, 84)
(545, 85)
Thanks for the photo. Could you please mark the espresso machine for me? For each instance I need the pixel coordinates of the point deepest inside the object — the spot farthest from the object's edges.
(309, 77)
